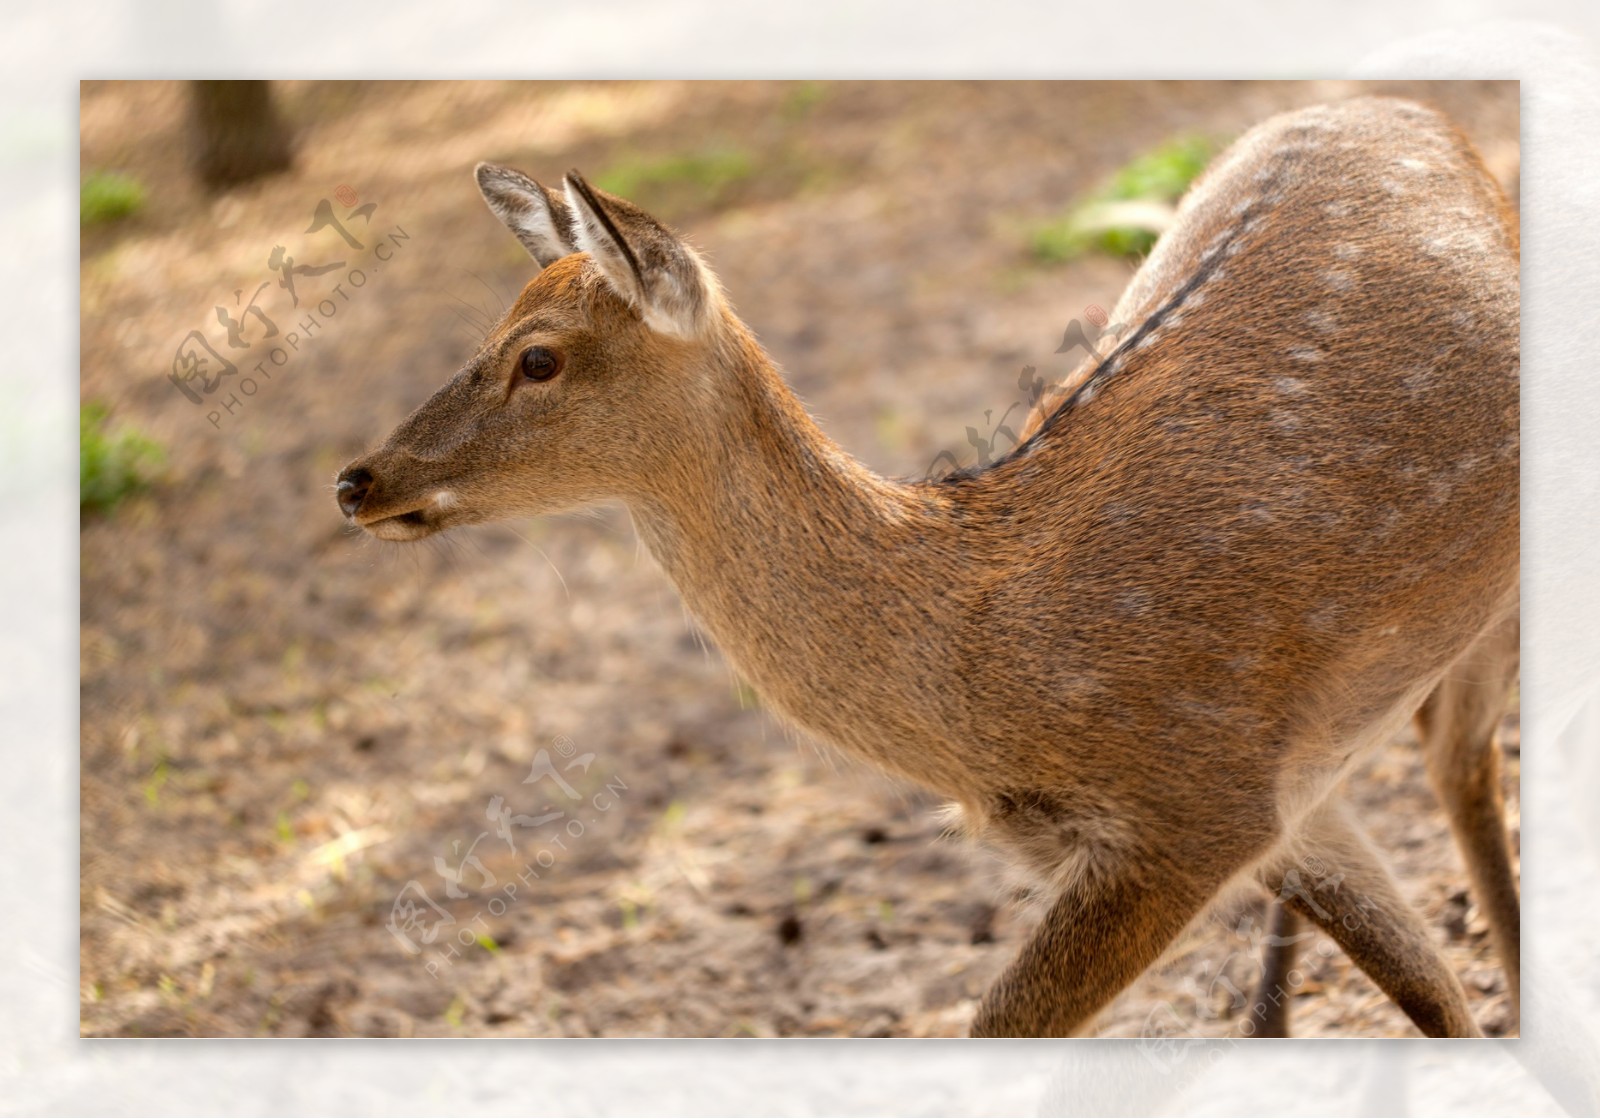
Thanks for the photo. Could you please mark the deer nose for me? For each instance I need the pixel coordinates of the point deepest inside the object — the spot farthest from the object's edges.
(352, 489)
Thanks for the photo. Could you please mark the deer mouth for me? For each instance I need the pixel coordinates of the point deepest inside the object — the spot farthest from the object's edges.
(435, 514)
(411, 525)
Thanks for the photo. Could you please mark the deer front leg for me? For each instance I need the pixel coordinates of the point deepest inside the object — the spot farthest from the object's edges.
(1098, 936)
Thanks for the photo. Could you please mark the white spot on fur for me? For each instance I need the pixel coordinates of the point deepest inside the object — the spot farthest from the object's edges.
(1418, 381)
(1346, 251)
(1306, 353)
(1325, 617)
(1322, 322)
(1456, 242)
(1133, 604)
(444, 499)
(1338, 279)
(1291, 386)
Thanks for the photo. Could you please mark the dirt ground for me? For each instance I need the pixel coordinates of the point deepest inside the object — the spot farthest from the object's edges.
(292, 737)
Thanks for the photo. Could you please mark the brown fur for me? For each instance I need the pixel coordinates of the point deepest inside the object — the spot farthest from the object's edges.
(1141, 650)
(1459, 730)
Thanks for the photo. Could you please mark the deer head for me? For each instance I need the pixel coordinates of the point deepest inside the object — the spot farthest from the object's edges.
(586, 388)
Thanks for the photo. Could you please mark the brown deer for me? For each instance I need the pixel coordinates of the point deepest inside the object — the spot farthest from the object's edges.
(1140, 650)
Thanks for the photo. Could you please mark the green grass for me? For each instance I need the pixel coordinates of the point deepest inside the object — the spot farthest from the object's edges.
(1095, 224)
(106, 196)
(158, 778)
(803, 97)
(112, 464)
(1164, 173)
(703, 177)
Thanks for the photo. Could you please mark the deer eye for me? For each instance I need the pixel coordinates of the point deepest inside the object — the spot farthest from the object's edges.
(540, 364)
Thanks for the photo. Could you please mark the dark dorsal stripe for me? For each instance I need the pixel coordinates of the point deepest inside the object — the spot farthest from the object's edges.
(1109, 365)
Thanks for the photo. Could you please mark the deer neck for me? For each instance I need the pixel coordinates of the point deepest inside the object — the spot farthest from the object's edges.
(831, 589)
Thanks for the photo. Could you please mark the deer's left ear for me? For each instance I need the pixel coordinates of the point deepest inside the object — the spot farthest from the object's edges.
(645, 263)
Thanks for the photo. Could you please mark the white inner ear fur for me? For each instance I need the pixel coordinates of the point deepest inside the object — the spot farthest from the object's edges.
(534, 223)
(662, 299)
(524, 208)
(594, 239)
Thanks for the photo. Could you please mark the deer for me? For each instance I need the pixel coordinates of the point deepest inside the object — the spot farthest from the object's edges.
(1140, 651)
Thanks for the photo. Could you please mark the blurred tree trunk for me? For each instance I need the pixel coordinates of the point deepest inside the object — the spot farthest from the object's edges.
(235, 133)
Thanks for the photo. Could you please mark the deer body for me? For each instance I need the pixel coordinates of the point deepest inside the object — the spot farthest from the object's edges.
(1139, 651)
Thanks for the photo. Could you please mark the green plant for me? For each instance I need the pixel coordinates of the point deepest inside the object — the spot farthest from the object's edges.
(1164, 173)
(111, 464)
(1124, 217)
(106, 196)
(706, 175)
(803, 97)
(158, 778)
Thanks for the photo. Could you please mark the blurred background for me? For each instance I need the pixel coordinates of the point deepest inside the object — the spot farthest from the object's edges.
(320, 776)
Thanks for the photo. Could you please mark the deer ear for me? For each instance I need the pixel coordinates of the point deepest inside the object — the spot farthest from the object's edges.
(541, 220)
(645, 263)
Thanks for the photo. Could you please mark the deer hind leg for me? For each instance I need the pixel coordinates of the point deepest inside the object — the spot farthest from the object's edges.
(1332, 876)
(1459, 727)
(1269, 1009)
